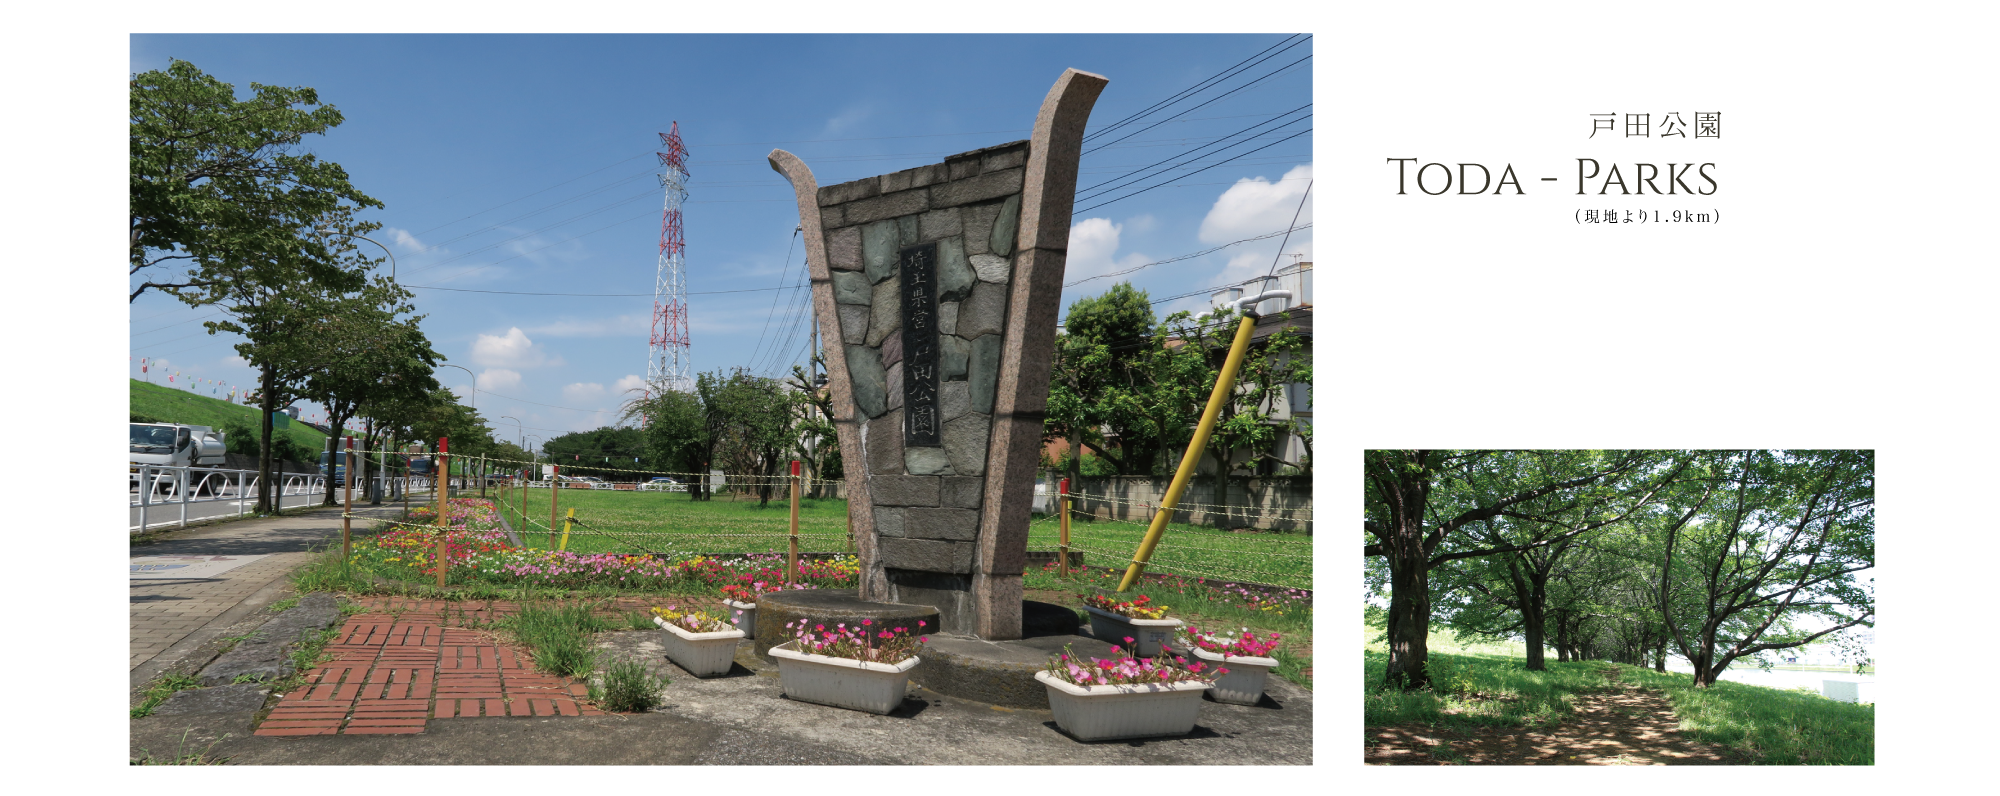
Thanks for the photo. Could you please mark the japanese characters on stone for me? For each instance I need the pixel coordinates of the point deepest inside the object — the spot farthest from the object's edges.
(920, 346)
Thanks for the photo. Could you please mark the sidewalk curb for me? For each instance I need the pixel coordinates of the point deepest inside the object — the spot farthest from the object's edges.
(185, 650)
(202, 646)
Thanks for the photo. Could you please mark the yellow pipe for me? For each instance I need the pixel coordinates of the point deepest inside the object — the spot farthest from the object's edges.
(1225, 385)
(566, 520)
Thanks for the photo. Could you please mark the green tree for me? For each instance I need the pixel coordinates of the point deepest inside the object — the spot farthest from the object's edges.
(1246, 421)
(758, 429)
(1419, 504)
(675, 432)
(283, 318)
(217, 188)
(369, 357)
(818, 444)
(1774, 539)
(607, 452)
(1096, 383)
(442, 416)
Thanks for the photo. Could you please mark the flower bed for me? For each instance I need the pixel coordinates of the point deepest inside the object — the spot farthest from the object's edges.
(477, 551)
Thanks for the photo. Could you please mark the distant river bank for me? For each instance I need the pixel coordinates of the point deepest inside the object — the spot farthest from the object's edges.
(1777, 678)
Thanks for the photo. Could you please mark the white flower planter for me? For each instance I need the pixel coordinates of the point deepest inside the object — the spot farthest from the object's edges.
(1106, 712)
(1244, 683)
(744, 615)
(702, 654)
(1148, 635)
(842, 682)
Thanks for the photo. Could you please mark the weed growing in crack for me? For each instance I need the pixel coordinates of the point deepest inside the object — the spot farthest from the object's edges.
(162, 688)
(181, 757)
(629, 687)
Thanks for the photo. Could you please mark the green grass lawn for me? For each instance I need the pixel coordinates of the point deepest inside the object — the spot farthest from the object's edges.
(661, 522)
(180, 406)
(613, 521)
(1275, 558)
(1483, 684)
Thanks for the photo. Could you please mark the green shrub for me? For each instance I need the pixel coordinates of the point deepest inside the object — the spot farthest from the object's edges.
(629, 687)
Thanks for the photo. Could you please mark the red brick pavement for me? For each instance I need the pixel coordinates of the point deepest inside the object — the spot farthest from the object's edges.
(405, 662)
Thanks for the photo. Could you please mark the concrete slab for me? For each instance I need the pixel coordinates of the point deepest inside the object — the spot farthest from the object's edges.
(242, 698)
(743, 719)
(936, 729)
(265, 655)
(186, 567)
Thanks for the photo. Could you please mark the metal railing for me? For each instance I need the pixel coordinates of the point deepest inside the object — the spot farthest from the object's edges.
(155, 488)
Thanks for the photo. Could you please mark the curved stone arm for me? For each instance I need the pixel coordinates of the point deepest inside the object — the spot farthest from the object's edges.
(1048, 195)
(859, 512)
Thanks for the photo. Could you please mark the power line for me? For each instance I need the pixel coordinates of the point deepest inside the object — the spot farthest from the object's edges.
(1186, 256)
(595, 295)
(177, 323)
(1094, 190)
(1264, 77)
(784, 275)
(1191, 173)
(1188, 91)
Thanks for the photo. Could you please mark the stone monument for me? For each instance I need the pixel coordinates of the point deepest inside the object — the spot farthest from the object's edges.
(938, 290)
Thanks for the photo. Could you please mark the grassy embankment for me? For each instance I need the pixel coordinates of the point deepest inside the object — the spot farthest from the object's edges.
(1485, 684)
(170, 405)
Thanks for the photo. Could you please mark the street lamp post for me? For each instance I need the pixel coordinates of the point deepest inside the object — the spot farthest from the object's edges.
(519, 432)
(474, 398)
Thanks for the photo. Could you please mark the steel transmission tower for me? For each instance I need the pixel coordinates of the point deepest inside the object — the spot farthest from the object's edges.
(669, 364)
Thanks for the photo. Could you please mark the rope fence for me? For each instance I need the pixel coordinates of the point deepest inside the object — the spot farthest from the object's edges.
(598, 522)
(1219, 556)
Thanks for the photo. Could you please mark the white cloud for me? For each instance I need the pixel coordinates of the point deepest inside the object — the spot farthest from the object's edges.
(1248, 209)
(542, 250)
(629, 383)
(499, 379)
(617, 326)
(582, 392)
(847, 120)
(513, 350)
(1093, 250)
(235, 361)
(1257, 206)
(402, 238)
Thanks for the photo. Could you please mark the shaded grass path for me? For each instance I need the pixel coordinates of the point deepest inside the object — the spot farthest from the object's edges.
(1624, 724)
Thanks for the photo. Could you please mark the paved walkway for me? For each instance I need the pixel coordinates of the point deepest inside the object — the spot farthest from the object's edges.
(393, 665)
(172, 618)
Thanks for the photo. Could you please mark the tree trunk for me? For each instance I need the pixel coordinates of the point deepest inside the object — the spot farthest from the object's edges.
(333, 461)
(1562, 636)
(1660, 655)
(1532, 616)
(1409, 620)
(268, 402)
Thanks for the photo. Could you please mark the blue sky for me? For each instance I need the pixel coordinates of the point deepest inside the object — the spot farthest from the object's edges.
(524, 163)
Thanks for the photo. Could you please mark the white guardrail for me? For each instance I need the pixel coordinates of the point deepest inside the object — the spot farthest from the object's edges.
(155, 488)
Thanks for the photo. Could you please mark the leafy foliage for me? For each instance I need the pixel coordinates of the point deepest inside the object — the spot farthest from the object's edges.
(217, 186)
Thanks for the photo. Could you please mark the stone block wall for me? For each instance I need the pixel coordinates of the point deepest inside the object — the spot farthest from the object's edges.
(962, 214)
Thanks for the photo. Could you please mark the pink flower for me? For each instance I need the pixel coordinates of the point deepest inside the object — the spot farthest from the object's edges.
(866, 622)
